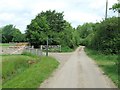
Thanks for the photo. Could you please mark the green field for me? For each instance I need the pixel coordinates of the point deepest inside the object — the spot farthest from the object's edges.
(18, 72)
(108, 63)
(6, 44)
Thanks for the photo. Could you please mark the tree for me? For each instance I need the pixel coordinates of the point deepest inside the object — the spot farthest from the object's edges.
(17, 36)
(116, 7)
(11, 34)
(84, 30)
(0, 35)
(37, 32)
(47, 24)
(7, 33)
(107, 36)
(67, 35)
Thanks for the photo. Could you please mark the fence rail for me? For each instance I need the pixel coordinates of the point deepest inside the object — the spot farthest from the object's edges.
(40, 51)
(51, 47)
(33, 51)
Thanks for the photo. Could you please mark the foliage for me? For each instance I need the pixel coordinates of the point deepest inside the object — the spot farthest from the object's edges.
(65, 48)
(69, 37)
(51, 25)
(107, 36)
(116, 7)
(103, 36)
(47, 24)
(11, 34)
(33, 76)
(84, 31)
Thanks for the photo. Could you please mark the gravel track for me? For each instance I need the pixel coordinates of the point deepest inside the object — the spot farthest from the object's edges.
(77, 70)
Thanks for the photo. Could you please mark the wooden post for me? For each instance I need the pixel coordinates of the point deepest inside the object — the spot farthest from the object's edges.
(47, 48)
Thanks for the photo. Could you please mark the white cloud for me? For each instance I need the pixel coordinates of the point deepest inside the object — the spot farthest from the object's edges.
(6, 16)
(20, 12)
(81, 17)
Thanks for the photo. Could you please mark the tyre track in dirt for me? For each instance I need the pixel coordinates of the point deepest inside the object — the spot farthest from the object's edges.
(77, 70)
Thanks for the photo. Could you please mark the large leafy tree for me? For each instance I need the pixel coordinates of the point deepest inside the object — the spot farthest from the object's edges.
(47, 24)
(70, 36)
(18, 36)
(67, 35)
(7, 33)
(37, 31)
(11, 34)
(107, 36)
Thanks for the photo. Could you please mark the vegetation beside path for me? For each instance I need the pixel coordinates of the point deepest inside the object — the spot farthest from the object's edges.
(26, 71)
(108, 63)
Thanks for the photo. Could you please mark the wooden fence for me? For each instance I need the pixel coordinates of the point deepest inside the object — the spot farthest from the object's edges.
(33, 50)
(51, 48)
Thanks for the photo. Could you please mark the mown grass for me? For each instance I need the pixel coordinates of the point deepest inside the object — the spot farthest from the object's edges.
(6, 44)
(26, 76)
(108, 63)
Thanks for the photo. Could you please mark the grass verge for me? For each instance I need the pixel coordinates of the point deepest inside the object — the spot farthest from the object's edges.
(15, 64)
(6, 44)
(108, 63)
(32, 76)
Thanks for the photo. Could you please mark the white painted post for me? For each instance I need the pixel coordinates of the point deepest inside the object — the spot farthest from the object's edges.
(36, 51)
(41, 47)
(60, 48)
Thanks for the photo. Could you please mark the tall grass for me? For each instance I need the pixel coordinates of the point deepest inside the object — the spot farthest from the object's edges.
(15, 64)
(108, 63)
(34, 75)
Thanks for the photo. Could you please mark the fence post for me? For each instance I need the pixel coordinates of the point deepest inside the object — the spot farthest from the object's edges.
(47, 48)
(36, 52)
(41, 47)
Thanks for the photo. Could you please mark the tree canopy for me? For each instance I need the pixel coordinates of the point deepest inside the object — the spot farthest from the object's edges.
(11, 34)
(116, 7)
(47, 24)
(103, 36)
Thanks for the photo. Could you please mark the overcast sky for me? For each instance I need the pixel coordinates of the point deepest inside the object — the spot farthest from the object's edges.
(77, 12)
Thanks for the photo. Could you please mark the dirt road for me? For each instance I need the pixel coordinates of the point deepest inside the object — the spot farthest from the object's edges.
(79, 71)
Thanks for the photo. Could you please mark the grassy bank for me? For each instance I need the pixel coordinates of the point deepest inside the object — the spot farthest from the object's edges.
(18, 72)
(108, 63)
(15, 64)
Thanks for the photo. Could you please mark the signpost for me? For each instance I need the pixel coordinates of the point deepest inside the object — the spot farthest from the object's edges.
(47, 48)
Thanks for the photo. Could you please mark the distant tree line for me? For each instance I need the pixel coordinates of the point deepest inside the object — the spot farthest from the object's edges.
(50, 25)
(103, 36)
(11, 34)
(46, 25)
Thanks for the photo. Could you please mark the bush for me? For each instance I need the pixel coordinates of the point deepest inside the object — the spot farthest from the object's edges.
(107, 36)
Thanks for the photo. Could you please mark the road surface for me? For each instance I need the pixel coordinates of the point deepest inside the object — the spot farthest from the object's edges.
(79, 71)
